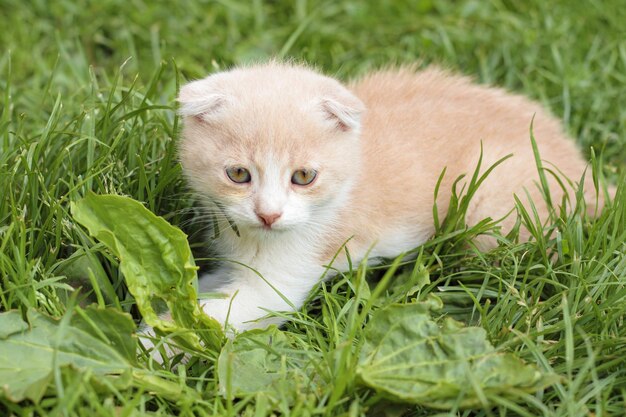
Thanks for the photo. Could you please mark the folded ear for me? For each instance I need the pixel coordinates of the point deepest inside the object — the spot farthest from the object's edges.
(345, 111)
(200, 99)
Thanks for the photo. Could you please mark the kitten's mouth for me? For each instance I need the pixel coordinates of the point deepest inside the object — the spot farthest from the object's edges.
(270, 228)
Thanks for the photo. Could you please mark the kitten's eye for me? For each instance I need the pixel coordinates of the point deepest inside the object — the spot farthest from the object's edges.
(238, 174)
(303, 176)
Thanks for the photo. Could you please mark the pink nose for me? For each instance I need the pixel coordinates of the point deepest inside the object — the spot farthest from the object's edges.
(268, 219)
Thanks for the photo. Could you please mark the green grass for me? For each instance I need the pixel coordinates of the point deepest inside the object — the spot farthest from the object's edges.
(77, 114)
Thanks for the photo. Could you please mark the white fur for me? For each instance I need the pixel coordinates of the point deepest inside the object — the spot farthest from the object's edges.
(282, 261)
(271, 266)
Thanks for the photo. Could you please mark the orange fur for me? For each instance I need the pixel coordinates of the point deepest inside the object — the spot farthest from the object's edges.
(417, 123)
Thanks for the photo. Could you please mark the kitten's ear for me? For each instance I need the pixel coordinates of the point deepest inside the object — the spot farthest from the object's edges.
(345, 112)
(200, 99)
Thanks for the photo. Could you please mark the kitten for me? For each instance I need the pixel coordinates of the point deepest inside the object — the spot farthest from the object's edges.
(301, 164)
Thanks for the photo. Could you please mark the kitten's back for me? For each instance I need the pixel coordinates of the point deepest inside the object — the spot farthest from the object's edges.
(417, 123)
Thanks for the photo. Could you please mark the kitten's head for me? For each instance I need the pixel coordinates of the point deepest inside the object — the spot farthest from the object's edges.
(275, 146)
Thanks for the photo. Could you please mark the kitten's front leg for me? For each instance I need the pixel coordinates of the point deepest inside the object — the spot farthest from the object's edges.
(248, 297)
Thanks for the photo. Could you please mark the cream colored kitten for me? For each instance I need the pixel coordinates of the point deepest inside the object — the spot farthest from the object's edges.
(301, 163)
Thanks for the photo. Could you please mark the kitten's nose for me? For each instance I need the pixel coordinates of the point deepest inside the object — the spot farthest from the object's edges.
(268, 218)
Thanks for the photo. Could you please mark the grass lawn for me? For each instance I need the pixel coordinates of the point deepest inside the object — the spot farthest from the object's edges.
(87, 104)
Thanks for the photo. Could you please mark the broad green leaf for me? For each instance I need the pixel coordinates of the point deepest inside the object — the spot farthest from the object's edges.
(110, 326)
(410, 358)
(98, 341)
(263, 362)
(156, 262)
(12, 324)
(28, 358)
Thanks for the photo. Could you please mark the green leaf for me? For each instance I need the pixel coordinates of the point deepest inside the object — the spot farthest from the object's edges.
(156, 262)
(410, 358)
(262, 362)
(97, 341)
(12, 324)
(111, 327)
(29, 358)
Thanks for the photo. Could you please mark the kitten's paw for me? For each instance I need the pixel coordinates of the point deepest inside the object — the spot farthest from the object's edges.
(236, 316)
(247, 303)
